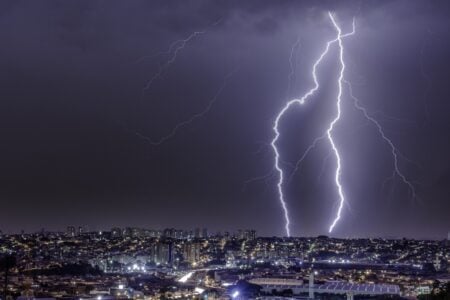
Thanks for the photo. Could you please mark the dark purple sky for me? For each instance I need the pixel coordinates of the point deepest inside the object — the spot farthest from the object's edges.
(72, 105)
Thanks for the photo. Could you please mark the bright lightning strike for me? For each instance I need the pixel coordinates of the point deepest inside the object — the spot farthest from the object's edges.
(302, 101)
(337, 176)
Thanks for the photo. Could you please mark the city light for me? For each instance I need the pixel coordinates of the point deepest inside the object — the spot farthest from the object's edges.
(131, 130)
(186, 277)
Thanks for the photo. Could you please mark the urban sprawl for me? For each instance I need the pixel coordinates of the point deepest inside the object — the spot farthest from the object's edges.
(135, 263)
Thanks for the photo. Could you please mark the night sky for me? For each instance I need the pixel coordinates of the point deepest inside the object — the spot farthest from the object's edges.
(76, 123)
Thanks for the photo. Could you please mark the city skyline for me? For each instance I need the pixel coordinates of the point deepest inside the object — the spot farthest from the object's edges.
(197, 232)
(124, 264)
(156, 115)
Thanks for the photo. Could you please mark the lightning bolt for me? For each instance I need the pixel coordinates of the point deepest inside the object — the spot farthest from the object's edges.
(170, 49)
(264, 177)
(394, 151)
(337, 177)
(173, 51)
(329, 132)
(301, 101)
(324, 164)
(291, 74)
(191, 119)
(304, 155)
